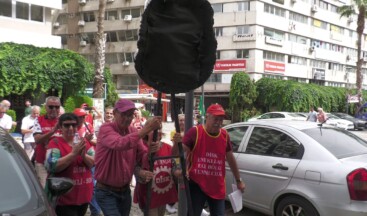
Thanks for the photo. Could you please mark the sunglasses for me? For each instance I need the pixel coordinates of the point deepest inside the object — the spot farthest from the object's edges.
(53, 107)
(67, 125)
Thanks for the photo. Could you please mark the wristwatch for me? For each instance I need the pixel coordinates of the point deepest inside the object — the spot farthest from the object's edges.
(239, 180)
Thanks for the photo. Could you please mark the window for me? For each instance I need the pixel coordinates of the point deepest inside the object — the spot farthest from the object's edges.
(323, 5)
(22, 10)
(111, 15)
(297, 39)
(243, 6)
(218, 31)
(270, 142)
(217, 54)
(297, 60)
(334, 8)
(128, 35)
(336, 29)
(111, 37)
(273, 56)
(5, 8)
(242, 30)
(318, 64)
(274, 10)
(236, 135)
(111, 58)
(217, 8)
(135, 13)
(336, 67)
(62, 19)
(89, 17)
(298, 17)
(36, 13)
(87, 37)
(243, 54)
(215, 78)
(319, 24)
(274, 33)
(128, 56)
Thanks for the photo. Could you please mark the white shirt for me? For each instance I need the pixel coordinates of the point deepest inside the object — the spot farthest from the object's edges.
(6, 122)
(28, 123)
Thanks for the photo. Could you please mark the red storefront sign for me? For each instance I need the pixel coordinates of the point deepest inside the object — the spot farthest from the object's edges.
(274, 67)
(224, 65)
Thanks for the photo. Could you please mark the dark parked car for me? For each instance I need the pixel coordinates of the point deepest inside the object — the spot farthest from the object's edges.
(359, 124)
(20, 191)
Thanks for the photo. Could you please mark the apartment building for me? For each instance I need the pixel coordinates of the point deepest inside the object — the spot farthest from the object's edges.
(302, 40)
(28, 22)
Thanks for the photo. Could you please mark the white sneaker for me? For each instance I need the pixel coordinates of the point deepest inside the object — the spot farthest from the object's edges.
(171, 209)
(204, 213)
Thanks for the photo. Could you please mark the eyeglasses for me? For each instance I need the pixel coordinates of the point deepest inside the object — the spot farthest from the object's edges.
(53, 107)
(67, 125)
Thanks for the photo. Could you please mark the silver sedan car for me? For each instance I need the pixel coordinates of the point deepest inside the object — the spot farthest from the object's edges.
(300, 168)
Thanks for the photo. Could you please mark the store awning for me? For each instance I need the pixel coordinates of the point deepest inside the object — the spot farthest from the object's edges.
(141, 97)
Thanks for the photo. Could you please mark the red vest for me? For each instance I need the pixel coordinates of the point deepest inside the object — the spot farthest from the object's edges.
(46, 126)
(78, 171)
(163, 187)
(207, 162)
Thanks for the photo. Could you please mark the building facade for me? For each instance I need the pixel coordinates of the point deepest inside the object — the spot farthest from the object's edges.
(302, 40)
(28, 22)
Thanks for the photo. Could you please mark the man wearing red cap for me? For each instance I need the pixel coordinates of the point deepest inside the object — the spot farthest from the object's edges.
(85, 129)
(119, 148)
(90, 113)
(208, 147)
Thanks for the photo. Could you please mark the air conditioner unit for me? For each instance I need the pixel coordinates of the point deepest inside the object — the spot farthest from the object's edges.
(81, 23)
(110, 1)
(82, 2)
(125, 63)
(312, 49)
(314, 8)
(350, 19)
(128, 18)
(83, 43)
(56, 24)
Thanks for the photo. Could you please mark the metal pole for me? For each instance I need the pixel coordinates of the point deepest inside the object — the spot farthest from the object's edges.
(189, 107)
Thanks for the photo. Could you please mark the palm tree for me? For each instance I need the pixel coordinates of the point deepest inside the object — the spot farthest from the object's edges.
(358, 7)
(100, 41)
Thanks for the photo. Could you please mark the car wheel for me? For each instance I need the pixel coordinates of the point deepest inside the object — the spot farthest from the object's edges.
(295, 206)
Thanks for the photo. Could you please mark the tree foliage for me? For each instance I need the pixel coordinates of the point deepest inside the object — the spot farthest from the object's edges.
(241, 96)
(283, 95)
(38, 70)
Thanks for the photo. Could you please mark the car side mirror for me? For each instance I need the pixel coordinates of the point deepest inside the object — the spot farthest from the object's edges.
(58, 186)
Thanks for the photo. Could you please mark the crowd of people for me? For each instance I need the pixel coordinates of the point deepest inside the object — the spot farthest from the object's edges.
(102, 159)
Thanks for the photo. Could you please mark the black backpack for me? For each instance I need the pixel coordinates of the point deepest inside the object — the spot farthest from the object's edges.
(177, 45)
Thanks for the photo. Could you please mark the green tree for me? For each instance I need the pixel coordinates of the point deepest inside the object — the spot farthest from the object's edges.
(241, 96)
(357, 7)
(26, 68)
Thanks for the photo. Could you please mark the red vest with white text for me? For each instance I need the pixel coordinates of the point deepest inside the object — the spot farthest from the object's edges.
(207, 162)
(46, 126)
(163, 187)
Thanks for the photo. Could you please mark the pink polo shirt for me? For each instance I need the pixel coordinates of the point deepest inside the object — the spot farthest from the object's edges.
(117, 154)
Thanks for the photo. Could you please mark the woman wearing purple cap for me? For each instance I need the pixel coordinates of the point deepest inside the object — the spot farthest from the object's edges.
(119, 148)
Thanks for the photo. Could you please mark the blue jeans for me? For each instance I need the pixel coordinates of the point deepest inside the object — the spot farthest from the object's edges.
(114, 203)
(93, 205)
(198, 198)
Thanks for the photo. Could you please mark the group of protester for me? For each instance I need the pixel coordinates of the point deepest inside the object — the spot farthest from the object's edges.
(102, 161)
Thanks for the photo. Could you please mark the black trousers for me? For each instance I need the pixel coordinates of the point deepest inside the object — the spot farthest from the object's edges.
(72, 210)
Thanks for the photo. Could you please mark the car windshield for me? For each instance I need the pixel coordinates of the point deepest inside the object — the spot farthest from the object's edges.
(340, 143)
(15, 191)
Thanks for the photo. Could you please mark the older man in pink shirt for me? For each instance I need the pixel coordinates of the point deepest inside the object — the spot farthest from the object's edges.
(119, 148)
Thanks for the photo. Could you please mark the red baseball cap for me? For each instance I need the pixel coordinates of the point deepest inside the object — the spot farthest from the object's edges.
(124, 105)
(80, 112)
(216, 109)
